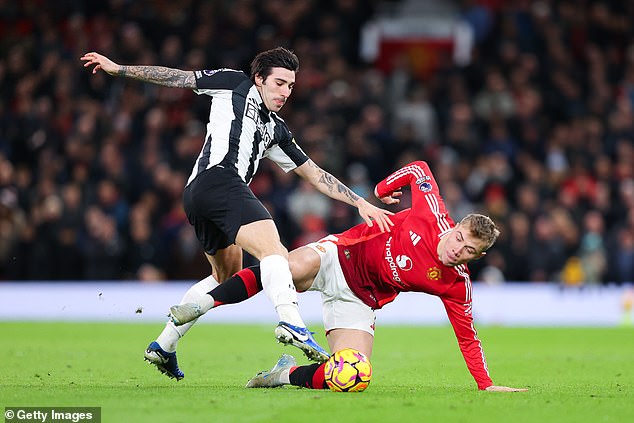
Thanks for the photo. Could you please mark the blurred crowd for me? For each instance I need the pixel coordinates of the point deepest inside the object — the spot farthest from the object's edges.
(537, 132)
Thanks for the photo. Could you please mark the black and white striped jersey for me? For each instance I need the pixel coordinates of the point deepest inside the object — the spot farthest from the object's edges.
(241, 130)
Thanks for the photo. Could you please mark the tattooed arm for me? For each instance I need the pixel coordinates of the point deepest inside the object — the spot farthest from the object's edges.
(159, 75)
(326, 183)
(332, 187)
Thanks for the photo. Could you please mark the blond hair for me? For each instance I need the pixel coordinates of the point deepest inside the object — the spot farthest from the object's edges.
(481, 227)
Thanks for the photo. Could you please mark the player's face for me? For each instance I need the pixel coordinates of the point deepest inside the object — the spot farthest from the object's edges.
(460, 247)
(276, 88)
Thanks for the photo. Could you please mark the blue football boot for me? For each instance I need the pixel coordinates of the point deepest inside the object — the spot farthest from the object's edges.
(303, 339)
(164, 361)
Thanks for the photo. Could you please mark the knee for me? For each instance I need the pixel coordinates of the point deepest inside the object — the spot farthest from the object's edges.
(300, 265)
(274, 250)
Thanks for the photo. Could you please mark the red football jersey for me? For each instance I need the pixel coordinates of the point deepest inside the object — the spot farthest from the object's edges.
(378, 266)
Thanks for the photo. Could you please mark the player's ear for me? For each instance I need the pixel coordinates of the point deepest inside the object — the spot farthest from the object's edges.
(258, 80)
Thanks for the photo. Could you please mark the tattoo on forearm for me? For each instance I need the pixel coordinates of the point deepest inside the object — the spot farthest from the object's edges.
(333, 184)
(160, 75)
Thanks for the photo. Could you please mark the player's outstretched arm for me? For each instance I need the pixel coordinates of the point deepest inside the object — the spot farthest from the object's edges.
(159, 75)
(494, 388)
(419, 178)
(332, 187)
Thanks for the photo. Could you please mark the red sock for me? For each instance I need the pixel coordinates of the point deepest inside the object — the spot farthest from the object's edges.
(241, 286)
(310, 376)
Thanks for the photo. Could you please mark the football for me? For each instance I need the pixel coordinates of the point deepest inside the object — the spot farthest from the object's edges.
(348, 370)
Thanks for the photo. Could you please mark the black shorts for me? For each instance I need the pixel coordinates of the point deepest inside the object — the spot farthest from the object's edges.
(217, 203)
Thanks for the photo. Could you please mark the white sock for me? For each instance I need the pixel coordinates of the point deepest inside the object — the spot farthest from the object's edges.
(285, 376)
(277, 283)
(168, 339)
(290, 313)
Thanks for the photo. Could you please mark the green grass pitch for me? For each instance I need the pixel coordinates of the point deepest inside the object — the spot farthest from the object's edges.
(574, 375)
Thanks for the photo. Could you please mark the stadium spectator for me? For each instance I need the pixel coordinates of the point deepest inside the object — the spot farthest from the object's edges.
(592, 250)
(568, 68)
(546, 250)
(101, 246)
(622, 261)
(306, 200)
(418, 115)
(363, 269)
(12, 219)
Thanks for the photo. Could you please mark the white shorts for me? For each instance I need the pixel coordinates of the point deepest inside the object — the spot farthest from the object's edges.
(341, 309)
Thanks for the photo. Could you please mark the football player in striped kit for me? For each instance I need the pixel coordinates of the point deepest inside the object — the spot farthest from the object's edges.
(243, 128)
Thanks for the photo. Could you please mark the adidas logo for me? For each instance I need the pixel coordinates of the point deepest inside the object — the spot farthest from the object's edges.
(415, 237)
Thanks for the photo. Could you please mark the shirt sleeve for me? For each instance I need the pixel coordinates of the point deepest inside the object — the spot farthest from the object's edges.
(285, 152)
(417, 175)
(212, 82)
(461, 318)
(426, 199)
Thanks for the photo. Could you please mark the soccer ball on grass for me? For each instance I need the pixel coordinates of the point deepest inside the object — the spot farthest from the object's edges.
(348, 370)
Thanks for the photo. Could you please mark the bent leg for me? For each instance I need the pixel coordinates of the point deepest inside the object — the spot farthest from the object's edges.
(262, 240)
(162, 352)
(225, 262)
(239, 287)
(360, 340)
(312, 375)
(169, 337)
(304, 263)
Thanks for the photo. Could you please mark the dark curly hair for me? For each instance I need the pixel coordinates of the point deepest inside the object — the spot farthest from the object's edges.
(278, 57)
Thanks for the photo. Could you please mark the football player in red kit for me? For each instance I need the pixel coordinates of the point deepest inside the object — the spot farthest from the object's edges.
(362, 269)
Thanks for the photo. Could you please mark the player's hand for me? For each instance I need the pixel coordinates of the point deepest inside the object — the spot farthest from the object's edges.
(100, 62)
(494, 388)
(372, 214)
(389, 199)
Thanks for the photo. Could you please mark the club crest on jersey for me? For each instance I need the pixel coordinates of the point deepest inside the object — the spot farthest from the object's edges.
(347, 254)
(424, 184)
(404, 262)
(433, 273)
